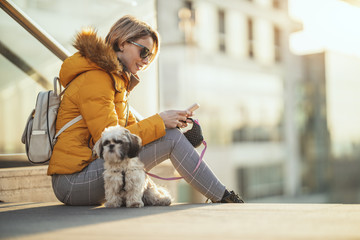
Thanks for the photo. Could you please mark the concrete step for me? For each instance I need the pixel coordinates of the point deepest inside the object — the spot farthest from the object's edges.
(25, 184)
(31, 184)
(14, 160)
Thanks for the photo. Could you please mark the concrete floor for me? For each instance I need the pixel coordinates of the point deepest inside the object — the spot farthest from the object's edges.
(181, 221)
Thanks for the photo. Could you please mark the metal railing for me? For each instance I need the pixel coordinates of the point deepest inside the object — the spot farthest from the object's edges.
(29, 25)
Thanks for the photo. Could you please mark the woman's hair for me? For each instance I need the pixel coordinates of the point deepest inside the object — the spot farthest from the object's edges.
(128, 28)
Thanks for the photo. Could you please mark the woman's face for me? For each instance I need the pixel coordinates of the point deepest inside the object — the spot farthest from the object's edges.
(130, 54)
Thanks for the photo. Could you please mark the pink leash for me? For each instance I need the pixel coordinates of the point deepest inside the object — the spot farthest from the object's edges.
(177, 178)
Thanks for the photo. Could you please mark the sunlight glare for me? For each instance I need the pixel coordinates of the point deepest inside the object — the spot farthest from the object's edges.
(327, 25)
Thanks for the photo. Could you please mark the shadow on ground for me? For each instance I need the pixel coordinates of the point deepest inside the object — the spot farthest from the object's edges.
(18, 220)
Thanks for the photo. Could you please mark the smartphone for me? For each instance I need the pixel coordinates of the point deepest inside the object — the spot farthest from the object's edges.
(193, 107)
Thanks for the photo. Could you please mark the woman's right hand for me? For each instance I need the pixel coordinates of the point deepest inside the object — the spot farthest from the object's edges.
(175, 118)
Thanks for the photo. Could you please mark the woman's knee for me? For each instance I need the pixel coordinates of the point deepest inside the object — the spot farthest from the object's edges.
(173, 134)
(177, 138)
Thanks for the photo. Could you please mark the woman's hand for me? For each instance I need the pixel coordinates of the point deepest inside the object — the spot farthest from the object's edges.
(175, 118)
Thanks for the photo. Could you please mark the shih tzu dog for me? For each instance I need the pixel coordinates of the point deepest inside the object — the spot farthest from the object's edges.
(126, 183)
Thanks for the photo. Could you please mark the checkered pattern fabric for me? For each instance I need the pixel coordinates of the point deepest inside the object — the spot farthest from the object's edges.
(82, 188)
(184, 157)
(87, 186)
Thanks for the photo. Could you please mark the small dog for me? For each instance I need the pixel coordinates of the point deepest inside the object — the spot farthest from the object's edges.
(126, 183)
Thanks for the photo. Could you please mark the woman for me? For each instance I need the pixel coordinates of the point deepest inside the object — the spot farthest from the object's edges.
(102, 74)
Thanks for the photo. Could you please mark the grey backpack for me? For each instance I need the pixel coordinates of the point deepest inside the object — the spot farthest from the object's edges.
(39, 135)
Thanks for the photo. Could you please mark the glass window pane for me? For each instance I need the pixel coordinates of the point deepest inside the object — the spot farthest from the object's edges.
(27, 67)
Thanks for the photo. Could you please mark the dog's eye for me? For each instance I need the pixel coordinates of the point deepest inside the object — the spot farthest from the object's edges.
(106, 142)
(118, 141)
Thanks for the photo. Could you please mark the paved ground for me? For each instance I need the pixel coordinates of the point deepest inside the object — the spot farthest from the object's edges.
(181, 221)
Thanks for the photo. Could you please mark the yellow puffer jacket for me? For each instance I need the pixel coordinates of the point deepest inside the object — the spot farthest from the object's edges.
(100, 98)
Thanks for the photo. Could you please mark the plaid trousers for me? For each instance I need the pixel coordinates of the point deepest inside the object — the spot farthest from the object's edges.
(87, 187)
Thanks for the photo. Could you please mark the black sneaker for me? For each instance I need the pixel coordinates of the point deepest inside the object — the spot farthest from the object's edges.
(231, 198)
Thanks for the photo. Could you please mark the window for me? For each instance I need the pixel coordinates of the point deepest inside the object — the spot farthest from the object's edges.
(276, 4)
(277, 42)
(221, 16)
(189, 5)
(187, 21)
(250, 38)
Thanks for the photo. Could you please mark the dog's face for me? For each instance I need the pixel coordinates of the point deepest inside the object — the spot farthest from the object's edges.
(117, 143)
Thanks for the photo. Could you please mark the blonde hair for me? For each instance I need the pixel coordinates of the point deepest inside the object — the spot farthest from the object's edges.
(129, 28)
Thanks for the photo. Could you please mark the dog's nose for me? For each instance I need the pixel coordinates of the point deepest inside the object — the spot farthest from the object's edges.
(111, 146)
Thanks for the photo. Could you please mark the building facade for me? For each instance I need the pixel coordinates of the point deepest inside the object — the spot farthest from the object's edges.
(233, 58)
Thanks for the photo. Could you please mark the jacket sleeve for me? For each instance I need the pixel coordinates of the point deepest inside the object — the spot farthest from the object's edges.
(148, 129)
(96, 102)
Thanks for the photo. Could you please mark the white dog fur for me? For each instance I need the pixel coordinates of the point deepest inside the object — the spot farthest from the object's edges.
(126, 183)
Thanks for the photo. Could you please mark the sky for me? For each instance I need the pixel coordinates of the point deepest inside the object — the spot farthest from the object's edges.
(334, 25)
(327, 24)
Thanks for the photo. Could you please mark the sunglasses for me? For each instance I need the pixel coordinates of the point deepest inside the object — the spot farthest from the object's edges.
(145, 52)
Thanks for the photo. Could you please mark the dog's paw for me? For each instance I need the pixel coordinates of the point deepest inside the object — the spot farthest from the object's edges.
(157, 196)
(112, 205)
(165, 201)
(135, 204)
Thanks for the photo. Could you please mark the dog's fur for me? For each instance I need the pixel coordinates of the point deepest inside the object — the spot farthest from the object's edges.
(126, 183)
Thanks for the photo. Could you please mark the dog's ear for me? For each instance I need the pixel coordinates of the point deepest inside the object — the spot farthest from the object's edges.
(135, 145)
(98, 149)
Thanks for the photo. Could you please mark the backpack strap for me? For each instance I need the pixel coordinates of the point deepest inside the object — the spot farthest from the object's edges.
(67, 125)
(56, 81)
(78, 118)
(59, 94)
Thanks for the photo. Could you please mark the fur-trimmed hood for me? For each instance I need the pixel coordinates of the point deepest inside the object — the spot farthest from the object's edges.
(93, 53)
